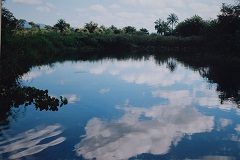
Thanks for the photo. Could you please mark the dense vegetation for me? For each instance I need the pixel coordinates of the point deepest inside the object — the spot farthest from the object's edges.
(192, 34)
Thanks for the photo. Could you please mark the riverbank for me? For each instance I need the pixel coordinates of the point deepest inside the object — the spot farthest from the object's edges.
(53, 44)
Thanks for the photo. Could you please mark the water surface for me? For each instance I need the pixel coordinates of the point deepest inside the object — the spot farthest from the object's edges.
(124, 109)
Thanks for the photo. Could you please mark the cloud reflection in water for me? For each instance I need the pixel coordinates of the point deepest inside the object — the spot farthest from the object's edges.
(28, 143)
(141, 130)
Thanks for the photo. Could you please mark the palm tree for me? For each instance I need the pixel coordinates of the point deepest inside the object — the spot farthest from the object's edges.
(158, 26)
(62, 25)
(172, 19)
(161, 26)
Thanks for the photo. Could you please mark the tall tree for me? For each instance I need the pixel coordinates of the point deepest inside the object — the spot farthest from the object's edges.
(9, 22)
(191, 26)
(62, 25)
(91, 26)
(21, 23)
(172, 19)
(158, 26)
(161, 26)
(229, 18)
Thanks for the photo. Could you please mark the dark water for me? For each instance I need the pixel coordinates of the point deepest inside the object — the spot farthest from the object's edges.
(127, 109)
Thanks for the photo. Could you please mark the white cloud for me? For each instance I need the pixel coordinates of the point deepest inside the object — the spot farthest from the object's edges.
(104, 91)
(149, 73)
(30, 142)
(50, 5)
(130, 18)
(72, 98)
(28, 1)
(223, 123)
(175, 98)
(130, 136)
(154, 9)
(46, 8)
(237, 128)
(115, 6)
(145, 3)
(38, 72)
(143, 13)
(143, 72)
(99, 8)
(204, 10)
(31, 75)
(218, 158)
(43, 9)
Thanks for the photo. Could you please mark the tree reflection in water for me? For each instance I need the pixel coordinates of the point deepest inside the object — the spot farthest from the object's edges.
(222, 70)
(14, 96)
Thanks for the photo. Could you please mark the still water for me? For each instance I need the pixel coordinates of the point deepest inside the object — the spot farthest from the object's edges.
(124, 109)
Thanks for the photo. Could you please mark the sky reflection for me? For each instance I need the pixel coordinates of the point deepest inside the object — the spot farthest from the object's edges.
(29, 142)
(38, 73)
(140, 72)
(141, 130)
(162, 112)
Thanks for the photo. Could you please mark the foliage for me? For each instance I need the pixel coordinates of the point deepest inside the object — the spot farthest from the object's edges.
(91, 27)
(144, 31)
(172, 19)
(191, 26)
(20, 24)
(34, 27)
(229, 19)
(192, 32)
(62, 25)
(16, 96)
(115, 29)
(162, 27)
(129, 29)
(9, 22)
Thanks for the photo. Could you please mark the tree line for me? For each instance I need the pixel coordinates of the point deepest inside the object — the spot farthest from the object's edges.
(222, 32)
(227, 22)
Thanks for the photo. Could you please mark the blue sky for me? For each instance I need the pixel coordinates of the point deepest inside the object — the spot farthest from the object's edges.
(121, 13)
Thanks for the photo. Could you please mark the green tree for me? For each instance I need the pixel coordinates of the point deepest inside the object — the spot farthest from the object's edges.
(129, 29)
(81, 30)
(144, 31)
(162, 27)
(48, 27)
(191, 26)
(91, 26)
(9, 22)
(115, 29)
(229, 18)
(172, 19)
(21, 23)
(34, 26)
(62, 25)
